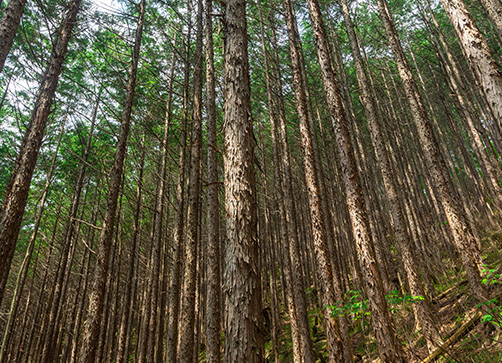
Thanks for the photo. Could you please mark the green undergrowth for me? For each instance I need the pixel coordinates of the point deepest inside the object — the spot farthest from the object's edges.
(452, 306)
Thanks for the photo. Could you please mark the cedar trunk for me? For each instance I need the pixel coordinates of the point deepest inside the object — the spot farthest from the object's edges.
(97, 297)
(16, 195)
(213, 309)
(478, 54)
(243, 319)
(390, 349)
(8, 27)
(457, 219)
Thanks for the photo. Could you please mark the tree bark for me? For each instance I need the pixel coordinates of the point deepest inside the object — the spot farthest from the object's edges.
(179, 225)
(390, 349)
(458, 87)
(243, 320)
(213, 309)
(288, 219)
(127, 308)
(459, 226)
(335, 348)
(23, 271)
(16, 195)
(187, 319)
(8, 27)
(494, 10)
(478, 55)
(399, 228)
(97, 297)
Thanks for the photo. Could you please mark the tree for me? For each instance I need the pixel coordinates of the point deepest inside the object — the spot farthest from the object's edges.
(422, 310)
(12, 210)
(389, 348)
(178, 234)
(213, 309)
(494, 9)
(96, 299)
(352, 200)
(193, 238)
(478, 54)
(459, 225)
(243, 320)
(8, 27)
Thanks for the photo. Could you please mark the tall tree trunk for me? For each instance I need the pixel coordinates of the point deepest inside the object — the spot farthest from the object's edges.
(335, 348)
(8, 27)
(23, 271)
(422, 309)
(213, 309)
(97, 297)
(284, 186)
(390, 349)
(190, 279)
(494, 10)
(458, 87)
(478, 54)
(243, 320)
(80, 310)
(67, 253)
(127, 307)
(157, 229)
(164, 283)
(459, 225)
(150, 317)
(179, 225)
(16, 195)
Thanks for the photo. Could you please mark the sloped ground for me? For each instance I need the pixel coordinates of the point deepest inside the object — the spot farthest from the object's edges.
(469, 334)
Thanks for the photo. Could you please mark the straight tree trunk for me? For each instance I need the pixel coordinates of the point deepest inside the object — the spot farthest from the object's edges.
(243, 318)
(288, 221)
(162, 312)
(8, 27)
(335, 347)
(466, 107)
(97, 297)
(459, 226)
(478, 54)
(16, 195)
(390, 349)
(422, 309)
(213, 309)
(193, 239)
(23, 271)
(179, 225)
(74, 310)
(157, 231)
(494, 10)
(108, 301)
(127, 308)
(67, 253)
(81, 305)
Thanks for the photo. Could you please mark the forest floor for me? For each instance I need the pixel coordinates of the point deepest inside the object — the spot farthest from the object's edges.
(470, 336)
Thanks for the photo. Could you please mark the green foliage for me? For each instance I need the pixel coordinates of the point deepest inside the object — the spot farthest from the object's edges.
(490, 276)
(493, 312)
(7, 153)
(358, 308)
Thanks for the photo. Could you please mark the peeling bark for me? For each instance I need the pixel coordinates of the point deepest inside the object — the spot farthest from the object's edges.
(213, 309)
(390, 349)
(243, 320)
(8, 27)
(97, 297)
(478, 54)
(457, 219)
(16, 194)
